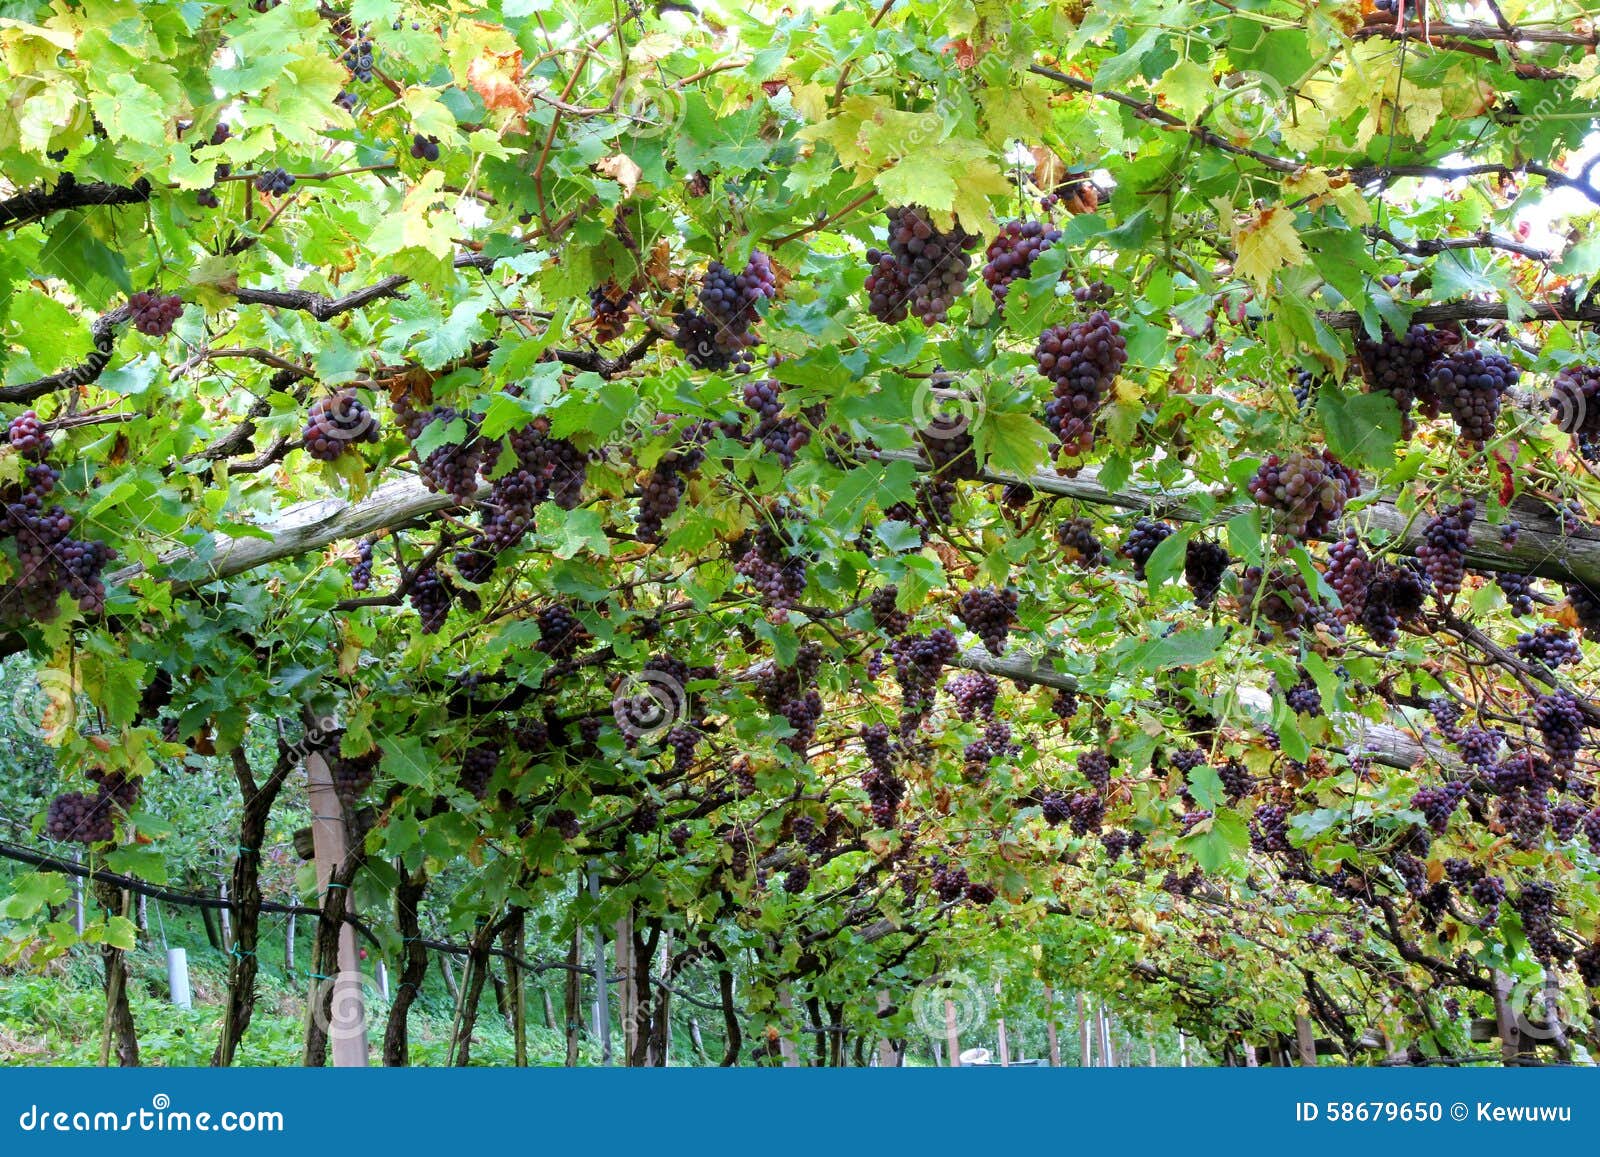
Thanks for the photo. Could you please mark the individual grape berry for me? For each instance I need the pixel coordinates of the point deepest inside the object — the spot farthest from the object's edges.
(1011, 254)
(1559, 719)
(1308, 491)
(155, 314)
(1470, 384)
(1082, 359)
(1205, 564)
(988, 612)
(29, 437)
(1550, 646)
(80, 818)
(1437, 804)
(361, 571)
(1078, 541)
(274, 182)
(336, 423)
(1444, 547)
(430, 597)
(974, 693)
(922, 272)
(1141, 543)
(424, 148)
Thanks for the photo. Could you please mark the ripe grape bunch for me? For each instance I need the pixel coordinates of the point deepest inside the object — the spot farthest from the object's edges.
(274, 182)
(782, 436)
(431, 596)
(154, 314)
(361, 571)
(424, 148)
(1309, 491)
(922, 272)
(608, 309)
(1204, 565)
(1082, 359)
(1011, 254)
(1444, 547)
(28, 437)
(1548, 645)
(1141, 543)
(1470, 384)
(975, 694)
(80, 818)
(1399, 365)
(1437, 804)
(337, 422)
(1281, 596)
(918, 662)
(1559, 718)
(358, 58)
(1575, 398)
(452, 467)
(886, 615)
(988, 613)
(1077, 539)
(729, 300)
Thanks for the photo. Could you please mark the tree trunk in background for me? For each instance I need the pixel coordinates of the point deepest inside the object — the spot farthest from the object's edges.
(549, 1009)
(511, 940)
(477, 974)
(573, 1003)
(288, 944)
(243, 964)
(449, 972)
(413, 968)
(888, 1055)
(661, 1022)
(119, 1037)
(1050, 1026)
(141, 917)
(336, 968)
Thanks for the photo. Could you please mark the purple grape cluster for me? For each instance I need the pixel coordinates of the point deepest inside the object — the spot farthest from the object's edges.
(1309, 491)
(361, 570)
(1064, 705)
(988, 612)
(1518, 590)
(451, 468)
(1141, 543)
(974, 693)
(1559, 718)
(80, 818)
(1444, 547)
(1205, 564)
(778, 574)
(1399, 365)
(1078, 541)
(336, 423)
(1011, 254)
(1082, 359)
(431, 597)
(1095, 767)
(28, 437)
(918, 662)
(1575, 398)
(922, 272)
(358, 58)
(274, 182)
(1304, 698)
(782, 436)
(1087, 811)
(1269, 829)
(353, 775)
(1280, 596)
(1470, 384)
(1535, 903)
(1549, 645)
(557, 467)
(886, 615)
(424, 148)
(729, 300)
(1438, 804)
(155, 314)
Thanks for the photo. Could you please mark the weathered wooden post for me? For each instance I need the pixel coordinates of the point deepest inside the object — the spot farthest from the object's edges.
(348, 1033)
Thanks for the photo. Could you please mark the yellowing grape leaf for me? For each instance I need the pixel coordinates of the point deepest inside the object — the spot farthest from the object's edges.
(956, 176)
(496, 77)
(1266, 244)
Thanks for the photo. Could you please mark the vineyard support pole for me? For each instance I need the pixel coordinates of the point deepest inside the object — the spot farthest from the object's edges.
(331, 843)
